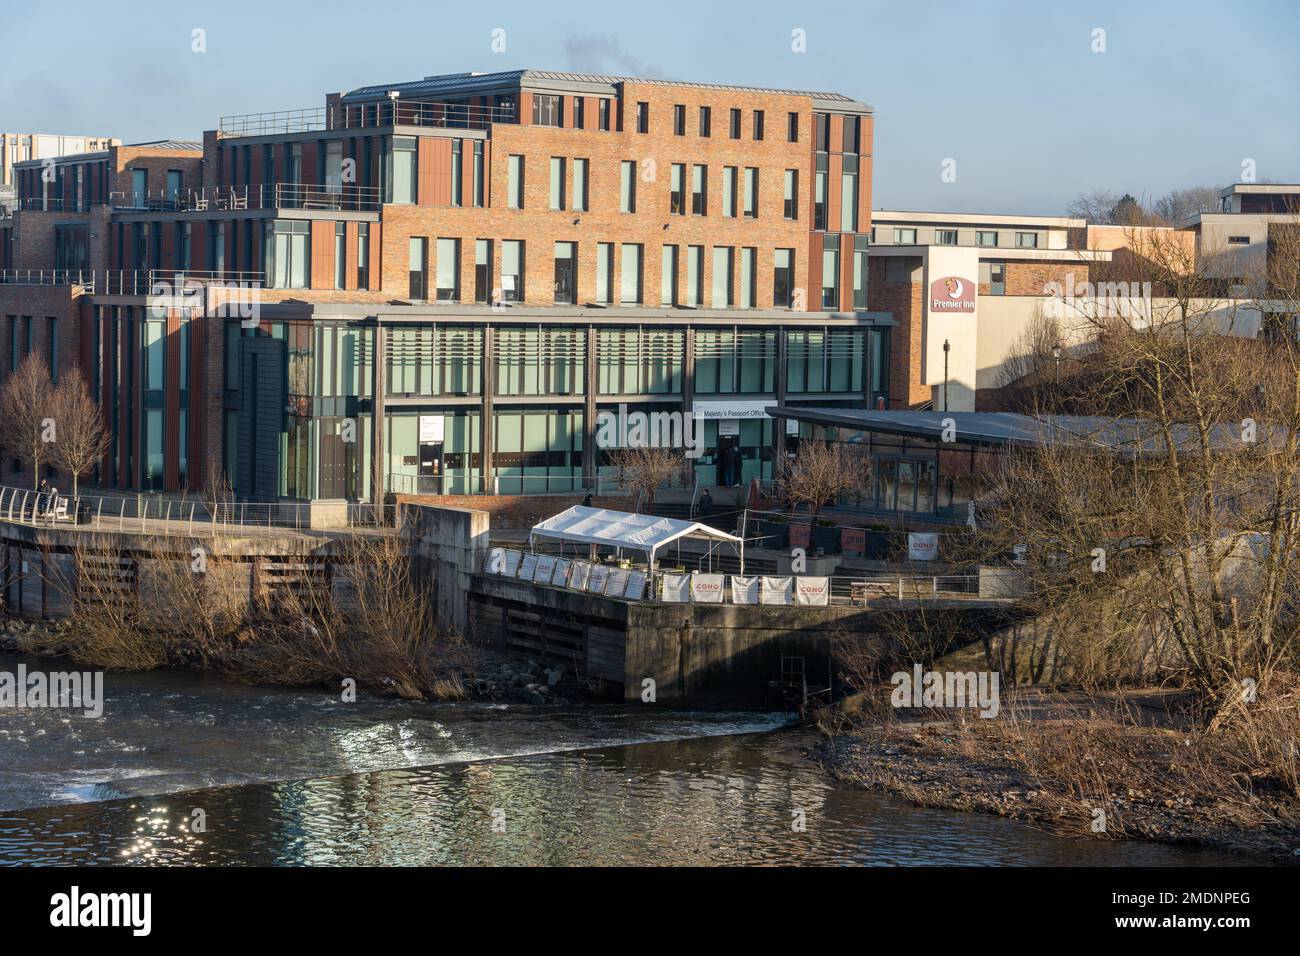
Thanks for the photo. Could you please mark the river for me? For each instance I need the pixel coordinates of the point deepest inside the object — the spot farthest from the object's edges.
(185, 768)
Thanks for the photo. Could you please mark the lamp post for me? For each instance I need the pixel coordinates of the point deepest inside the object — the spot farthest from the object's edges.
(1056, 354)
(945, 374)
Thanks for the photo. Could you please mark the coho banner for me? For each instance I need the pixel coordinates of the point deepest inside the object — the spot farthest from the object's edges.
(812, 591)
(922, 545)
(778, 590)
(676, 587)
(545, 568)
(744, 590)
(706, 588)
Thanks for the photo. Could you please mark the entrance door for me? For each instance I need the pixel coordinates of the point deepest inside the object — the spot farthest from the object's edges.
(728, 453)
(431, 468)
(333, 461)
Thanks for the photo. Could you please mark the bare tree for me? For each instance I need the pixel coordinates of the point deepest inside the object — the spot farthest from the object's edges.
(81, 440)
(27, 426)
(645, 470)
(1032, 352)
(1178, 204)
(1096, 206)
(820, 473)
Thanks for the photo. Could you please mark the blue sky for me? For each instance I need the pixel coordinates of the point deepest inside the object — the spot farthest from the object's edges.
(1012, 91)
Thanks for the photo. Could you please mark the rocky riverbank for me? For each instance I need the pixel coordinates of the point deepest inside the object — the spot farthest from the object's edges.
(1093, 773)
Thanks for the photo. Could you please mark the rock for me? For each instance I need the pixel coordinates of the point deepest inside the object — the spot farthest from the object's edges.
(555, 676)
(537, 698)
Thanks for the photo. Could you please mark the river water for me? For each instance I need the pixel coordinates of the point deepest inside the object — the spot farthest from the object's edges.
(185, 768)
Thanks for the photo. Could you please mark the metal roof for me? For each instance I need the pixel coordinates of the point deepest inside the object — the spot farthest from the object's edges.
(1009, 428)
(478, 83)
(178, 144)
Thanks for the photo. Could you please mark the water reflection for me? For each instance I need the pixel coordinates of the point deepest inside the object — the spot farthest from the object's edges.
(720, 800)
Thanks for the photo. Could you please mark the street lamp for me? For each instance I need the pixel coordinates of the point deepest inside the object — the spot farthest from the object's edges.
(1056, 354)
(945, 374)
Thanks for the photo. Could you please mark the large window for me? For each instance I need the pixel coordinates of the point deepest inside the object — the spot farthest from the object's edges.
(515, 182)
(512, 270)
(402, 181)
(699, 190)
(668, 276)
(627, 186)
(548, 109)
(580, 185)
(722, 260)
(860, 249)
(604, 273)
(638, 360)
(482, 270)
(746, 283)
(676, 190)
(783, 279)
(729, 191)
(448, 270)
(418, 268)
(751, 192)
(363, 255)
(824, 360)
(546, 360)
(819, 192)
(431, 360)
(695, 276)
(566, 273)
(537, 450)
(831, 272)
(340, 254)
(288, 253)
(730, 361)
(557, 182)
(849, 195)
(792, 194)
(630, 275)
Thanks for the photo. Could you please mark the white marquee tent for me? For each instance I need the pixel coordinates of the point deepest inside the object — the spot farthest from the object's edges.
(631, 532)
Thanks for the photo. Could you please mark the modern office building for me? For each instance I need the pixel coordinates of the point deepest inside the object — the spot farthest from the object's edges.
(440, 284)
(19, 147)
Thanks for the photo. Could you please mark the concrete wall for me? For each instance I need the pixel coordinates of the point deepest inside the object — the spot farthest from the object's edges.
(448, 545)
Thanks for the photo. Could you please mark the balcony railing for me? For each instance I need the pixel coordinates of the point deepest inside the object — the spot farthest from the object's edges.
(367, 116)
(54, 204)
(338, 197)
(131, 281)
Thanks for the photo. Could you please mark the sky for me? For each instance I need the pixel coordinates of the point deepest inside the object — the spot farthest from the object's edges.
(1026, 105)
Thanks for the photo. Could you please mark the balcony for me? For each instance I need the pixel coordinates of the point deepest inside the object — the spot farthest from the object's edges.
(367, 116)
(131, 281)
(334, 198)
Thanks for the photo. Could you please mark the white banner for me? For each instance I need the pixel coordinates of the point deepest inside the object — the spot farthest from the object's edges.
(676, 587)
(922, 545)
(579, 576)
(561, 573)
(744, 590)
(511, 566)
(635, 589)
(496, 560)
(529, 567)
(706, 588)
(545, 568)
(617, 582)
(812, 591)
(778, 590)
(599, 577)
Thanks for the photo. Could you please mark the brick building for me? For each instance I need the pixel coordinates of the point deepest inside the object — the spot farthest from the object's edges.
(438, 285)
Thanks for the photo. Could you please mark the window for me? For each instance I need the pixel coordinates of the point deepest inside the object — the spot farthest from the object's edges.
(139, 187)
(748, 256)
(1027, 240)
(557, 182)
(729, 191)
(548, 109)
(478, 173)
(580, 185)
(1239, 240)
(860, 249)
(676, 198)
(694, 275)
(668, 277)
(904, 237)
(566, 273)
(184, 233)
(783, 279)
(604, 273)
(706, 121)
(849, 195)
(986, 237)
(735, 124)
(448, 270)
(287, 253)
(819, 192)
(627, 186)
(699, 190)
(945, 237)
(994, 275)
(630, 275)
(515, 182)
(512, 270)
(751, 192)
(821, 132)
(851, 134)
(340, 254)
(402, 182)
(602, 110)
(758, 124)
(418, 265)
(482, 270)
(679, 120)
(363, 255)
(173, 186)
(792, 128)
(722, 261)
(456, 176)
(792, 194)
(580, 112)
(217, 247)
(831, 272)
(643, 117)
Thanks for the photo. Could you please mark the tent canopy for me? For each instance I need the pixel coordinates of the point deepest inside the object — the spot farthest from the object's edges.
(622, 529)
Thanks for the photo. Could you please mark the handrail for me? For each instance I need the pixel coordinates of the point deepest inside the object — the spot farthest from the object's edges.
(334, 197)
(129, 281)
(366, 116)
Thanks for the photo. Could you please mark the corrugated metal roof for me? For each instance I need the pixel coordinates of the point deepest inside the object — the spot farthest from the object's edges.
(178, 144)
(478, 82)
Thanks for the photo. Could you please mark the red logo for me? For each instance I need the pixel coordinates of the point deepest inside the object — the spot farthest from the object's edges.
(952, 294)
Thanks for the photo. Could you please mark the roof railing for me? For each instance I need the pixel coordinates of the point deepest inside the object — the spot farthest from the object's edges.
(388, 113)
(132, 281)
(334, 197)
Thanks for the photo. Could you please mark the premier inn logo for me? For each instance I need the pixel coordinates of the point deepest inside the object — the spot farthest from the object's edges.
(952, 294)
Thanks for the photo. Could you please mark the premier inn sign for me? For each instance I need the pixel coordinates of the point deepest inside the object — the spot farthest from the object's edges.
(952, 294)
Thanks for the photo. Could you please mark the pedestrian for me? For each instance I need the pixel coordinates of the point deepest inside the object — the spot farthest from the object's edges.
(706, 504)
(586, 502)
